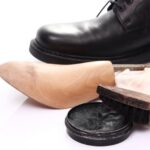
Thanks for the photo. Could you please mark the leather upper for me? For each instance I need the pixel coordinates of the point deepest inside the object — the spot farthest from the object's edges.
(116, 33)
(135, 14)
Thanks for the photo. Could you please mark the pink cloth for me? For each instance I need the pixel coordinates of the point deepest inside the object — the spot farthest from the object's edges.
(134, 80)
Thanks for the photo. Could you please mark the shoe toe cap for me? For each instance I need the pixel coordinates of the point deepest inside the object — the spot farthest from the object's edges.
(57, 34)
(44, 35)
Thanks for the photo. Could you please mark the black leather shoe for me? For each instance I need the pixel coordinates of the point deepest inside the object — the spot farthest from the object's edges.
(121, 35)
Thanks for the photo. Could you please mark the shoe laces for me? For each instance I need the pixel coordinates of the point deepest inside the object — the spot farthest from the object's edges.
(119, 4)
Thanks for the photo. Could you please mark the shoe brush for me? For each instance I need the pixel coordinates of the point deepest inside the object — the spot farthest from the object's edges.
(133, 104)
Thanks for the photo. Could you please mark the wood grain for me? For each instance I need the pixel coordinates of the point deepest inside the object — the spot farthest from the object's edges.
(128, 97)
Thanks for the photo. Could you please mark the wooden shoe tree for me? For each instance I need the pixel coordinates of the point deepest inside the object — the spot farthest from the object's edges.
(58, 86)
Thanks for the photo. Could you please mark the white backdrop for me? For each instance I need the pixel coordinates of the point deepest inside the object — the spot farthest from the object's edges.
(25, 125)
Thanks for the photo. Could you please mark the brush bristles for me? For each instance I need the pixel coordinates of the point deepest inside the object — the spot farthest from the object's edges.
(133, 114)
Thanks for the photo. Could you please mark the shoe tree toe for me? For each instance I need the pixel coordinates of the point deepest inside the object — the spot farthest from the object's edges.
(58, 86)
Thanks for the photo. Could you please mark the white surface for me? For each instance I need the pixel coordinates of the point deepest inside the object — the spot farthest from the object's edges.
(25, 125)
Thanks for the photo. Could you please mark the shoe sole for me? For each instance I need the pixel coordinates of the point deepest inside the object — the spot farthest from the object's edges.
(141, 55)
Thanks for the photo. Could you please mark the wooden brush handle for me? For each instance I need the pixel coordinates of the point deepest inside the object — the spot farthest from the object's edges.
(125, 96)
(121, 67)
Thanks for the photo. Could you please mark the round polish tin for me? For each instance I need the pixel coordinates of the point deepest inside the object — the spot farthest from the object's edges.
(97, 124)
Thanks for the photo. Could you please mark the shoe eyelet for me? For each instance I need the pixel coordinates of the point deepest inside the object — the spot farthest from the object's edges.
(122, 8)
(129, 2)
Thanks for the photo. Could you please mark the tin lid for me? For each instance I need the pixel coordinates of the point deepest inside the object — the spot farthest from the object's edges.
(97, 124)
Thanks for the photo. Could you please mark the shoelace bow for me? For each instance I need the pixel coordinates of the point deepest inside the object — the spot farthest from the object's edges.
(118, 3)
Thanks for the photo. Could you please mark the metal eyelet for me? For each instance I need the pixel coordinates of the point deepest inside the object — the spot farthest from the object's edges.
(122, 8)
(129, 2)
